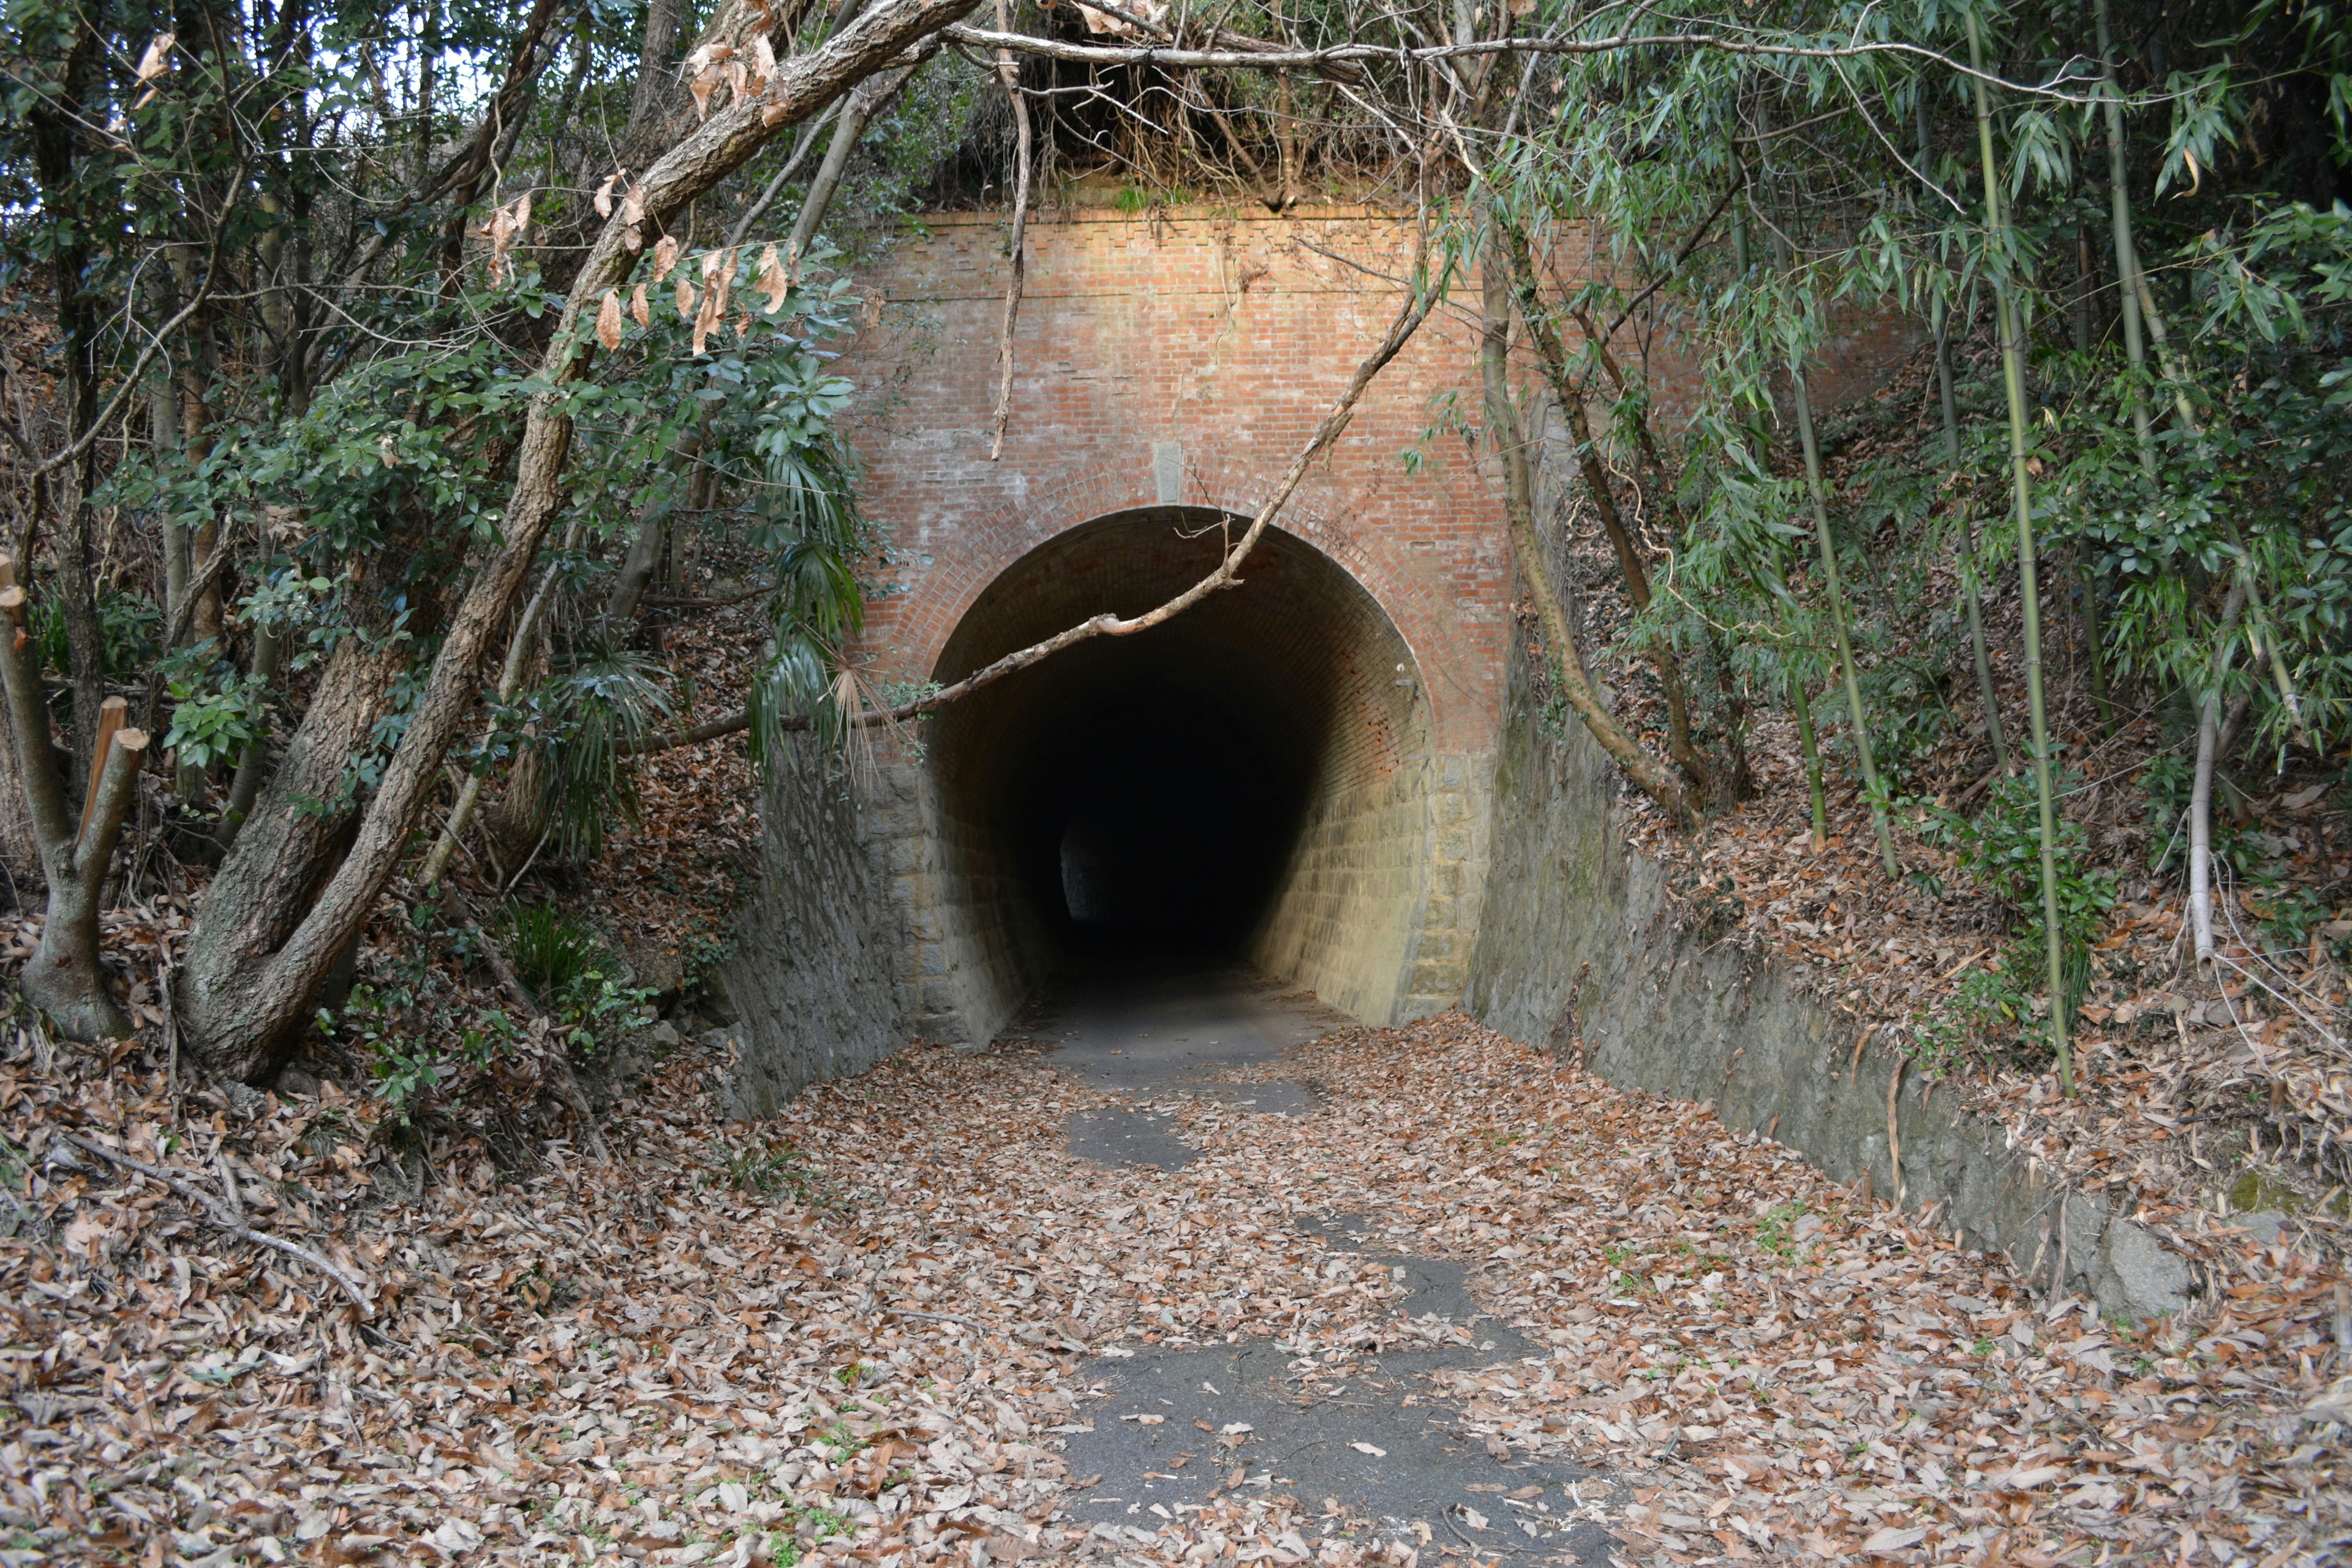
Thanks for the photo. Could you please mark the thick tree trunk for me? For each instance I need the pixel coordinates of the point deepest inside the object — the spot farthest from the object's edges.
(249, 981)
(263, 891)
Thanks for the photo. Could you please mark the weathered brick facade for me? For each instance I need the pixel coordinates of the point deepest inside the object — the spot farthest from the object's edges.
(1182, 361)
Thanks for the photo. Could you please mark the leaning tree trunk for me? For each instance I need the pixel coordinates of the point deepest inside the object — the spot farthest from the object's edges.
(1553, 356)
(1650, 777)
(287, 847)
(263, 946)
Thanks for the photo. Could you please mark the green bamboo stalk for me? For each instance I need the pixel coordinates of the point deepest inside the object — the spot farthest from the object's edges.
(2012, 364)
(1971, 575)
(1854, 709)
(1810, 744)
(1835, 588)
(1801, 704)
(2128, 278)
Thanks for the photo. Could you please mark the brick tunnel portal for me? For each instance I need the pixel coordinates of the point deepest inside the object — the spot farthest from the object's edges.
(1248, 780)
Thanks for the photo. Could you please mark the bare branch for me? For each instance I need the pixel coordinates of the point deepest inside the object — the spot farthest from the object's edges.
(227, 1219)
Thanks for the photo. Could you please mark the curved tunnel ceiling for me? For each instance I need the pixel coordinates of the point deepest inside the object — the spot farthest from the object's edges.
(1165, 786)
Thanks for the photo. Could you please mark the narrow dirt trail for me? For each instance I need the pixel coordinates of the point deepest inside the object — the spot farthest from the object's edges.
(1406, 1296)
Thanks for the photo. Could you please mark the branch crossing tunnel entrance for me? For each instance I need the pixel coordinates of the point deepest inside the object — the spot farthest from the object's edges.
(1254, 779)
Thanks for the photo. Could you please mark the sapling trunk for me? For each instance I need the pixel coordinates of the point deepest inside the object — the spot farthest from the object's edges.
(2094, 641)
(1836, 594)
(1972, 570)
(1809, 743)
(1833, 589)
(1648, 775)
(2262, 636)
(2200, 791)
(2012, 364)
(1971, 575)
(2128, 281)
(1016, 247)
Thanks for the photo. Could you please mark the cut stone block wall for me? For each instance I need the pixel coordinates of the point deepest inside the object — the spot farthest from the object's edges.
(814, 978)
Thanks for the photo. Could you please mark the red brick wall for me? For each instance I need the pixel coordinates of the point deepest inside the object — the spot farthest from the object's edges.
(1231, 337)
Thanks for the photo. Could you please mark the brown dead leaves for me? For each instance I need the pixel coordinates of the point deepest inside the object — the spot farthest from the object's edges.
(705, 1344)
(505, 227)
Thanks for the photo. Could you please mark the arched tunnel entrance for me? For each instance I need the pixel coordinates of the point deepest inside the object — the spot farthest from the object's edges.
(1251, 779)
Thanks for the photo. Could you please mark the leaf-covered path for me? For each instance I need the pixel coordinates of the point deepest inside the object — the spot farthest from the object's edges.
(904, 1322)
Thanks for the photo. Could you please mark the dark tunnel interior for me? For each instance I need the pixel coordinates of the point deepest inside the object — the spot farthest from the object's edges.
(1157, 813)
(1150, 793)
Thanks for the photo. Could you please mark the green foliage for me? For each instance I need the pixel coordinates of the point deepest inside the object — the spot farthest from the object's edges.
(2000, 849)
(2289, 914)
(572, 973)
(214, 724)
(558, 957)
(1776, 1232)
(2166, 781)
(1993, 1006)
(128, 625)
(1905, 696)
(585, 718)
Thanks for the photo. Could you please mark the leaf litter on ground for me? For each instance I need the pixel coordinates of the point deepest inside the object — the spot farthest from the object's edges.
(860, 1332)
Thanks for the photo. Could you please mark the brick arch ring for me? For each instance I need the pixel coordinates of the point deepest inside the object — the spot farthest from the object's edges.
(917, 626)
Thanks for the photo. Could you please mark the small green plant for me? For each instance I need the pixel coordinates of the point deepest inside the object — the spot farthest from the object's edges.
(2289, 913)
(1776, 1232)
(211, 725)
(555, 954)
(2001, 850)
(127, 624)
(766, 1172)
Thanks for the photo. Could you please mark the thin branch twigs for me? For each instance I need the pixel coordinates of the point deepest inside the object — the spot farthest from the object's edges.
(1423, 54)
(227, 1219)
(1009, 68)
(1705, 227)
(131, 380)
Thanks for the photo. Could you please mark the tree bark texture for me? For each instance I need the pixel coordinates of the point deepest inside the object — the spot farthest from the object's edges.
(247, 988)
